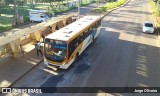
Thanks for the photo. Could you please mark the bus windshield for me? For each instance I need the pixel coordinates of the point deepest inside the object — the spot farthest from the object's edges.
(55, 50)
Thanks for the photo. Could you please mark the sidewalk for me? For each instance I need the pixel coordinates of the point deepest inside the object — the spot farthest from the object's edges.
(12, 68)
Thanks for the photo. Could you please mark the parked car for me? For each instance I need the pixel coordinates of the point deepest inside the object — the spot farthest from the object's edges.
(148, 27)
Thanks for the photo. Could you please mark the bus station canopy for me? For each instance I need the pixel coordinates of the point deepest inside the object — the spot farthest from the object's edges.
(26, 31)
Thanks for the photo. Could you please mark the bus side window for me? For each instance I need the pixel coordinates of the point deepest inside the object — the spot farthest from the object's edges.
(80, 38)
(94, 30)
(70, 49)
(85, 34)
(72, 46)
(97, 24)
(94, 26)
(91, 28)
(76, 42)
(77, 39)
(90, 31)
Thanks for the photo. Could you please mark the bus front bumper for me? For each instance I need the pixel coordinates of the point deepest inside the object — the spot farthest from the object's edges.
(62, 66)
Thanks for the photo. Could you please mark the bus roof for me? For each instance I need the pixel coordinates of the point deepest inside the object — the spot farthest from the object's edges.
(67, 32)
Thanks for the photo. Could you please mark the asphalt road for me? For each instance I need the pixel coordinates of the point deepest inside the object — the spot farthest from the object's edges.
(121, 56)
(84, 9)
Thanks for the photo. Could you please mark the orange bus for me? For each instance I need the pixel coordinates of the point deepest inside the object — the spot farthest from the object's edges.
(63, 47)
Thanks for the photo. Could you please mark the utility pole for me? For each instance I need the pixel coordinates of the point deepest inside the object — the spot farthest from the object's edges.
(78, 9)
(16, 12)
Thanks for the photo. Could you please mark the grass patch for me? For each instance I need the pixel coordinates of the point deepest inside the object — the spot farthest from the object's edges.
(86, 2)
(5, 22)
(154, 8)
(109, 5)
(156, 14)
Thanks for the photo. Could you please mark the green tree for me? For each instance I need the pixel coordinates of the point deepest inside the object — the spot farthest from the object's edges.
(158, 5)
(7, 2)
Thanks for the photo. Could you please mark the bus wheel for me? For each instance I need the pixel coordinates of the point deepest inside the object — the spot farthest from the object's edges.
(76, 57)
(92, 39)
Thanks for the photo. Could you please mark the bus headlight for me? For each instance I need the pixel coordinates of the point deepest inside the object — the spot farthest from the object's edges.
(45, 62)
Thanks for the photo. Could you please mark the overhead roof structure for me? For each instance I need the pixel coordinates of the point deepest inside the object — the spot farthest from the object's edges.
(26, 31)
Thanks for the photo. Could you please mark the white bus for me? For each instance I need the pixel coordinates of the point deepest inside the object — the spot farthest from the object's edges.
(63, 47)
